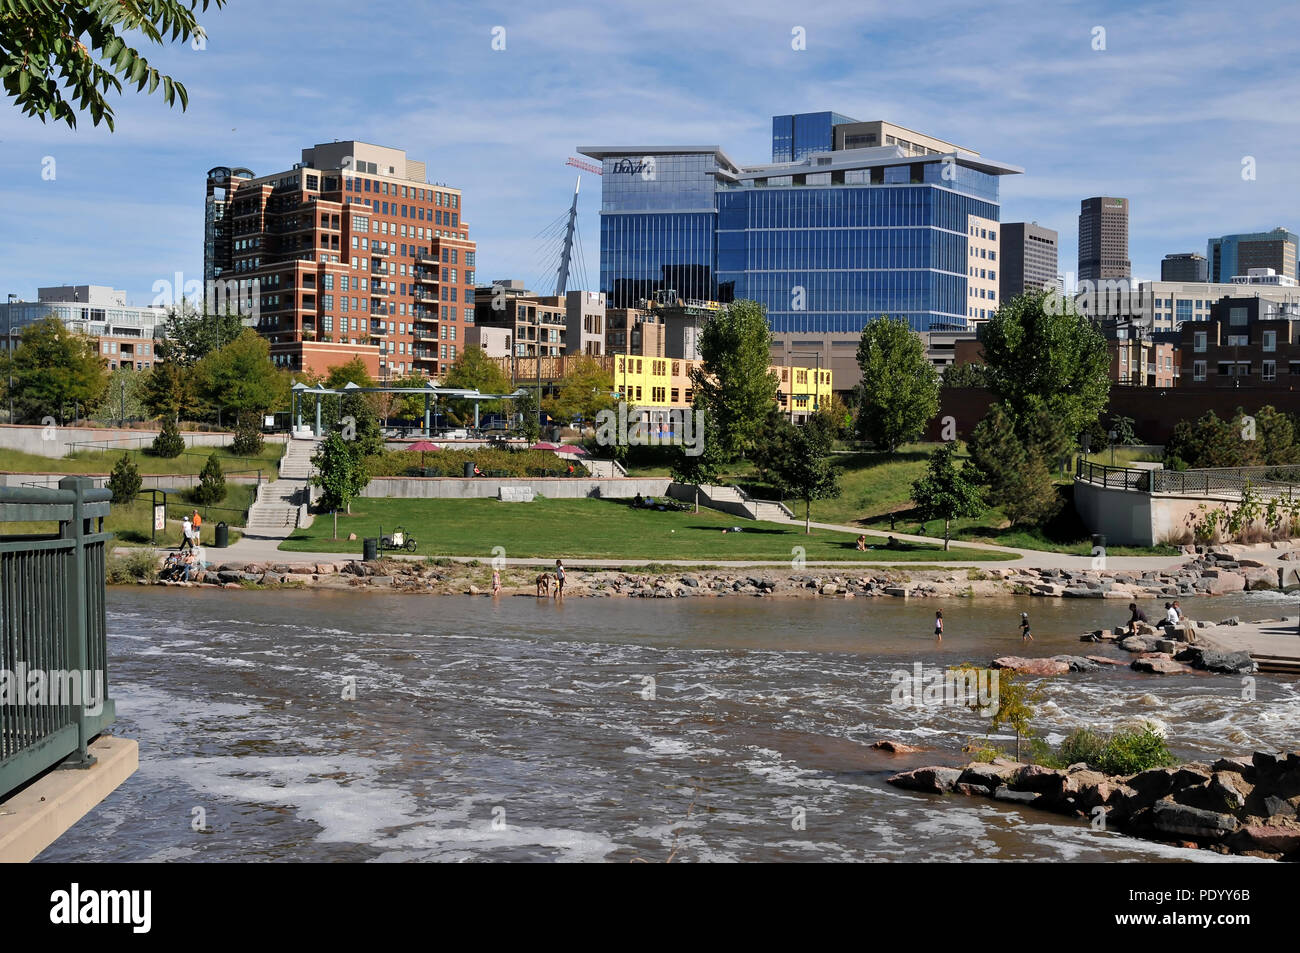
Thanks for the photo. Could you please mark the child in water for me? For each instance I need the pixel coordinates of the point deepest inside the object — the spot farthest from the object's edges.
(1025, 635)
(938, 625)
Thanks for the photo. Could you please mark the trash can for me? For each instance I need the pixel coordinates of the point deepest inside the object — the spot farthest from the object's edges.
(1099, 540)
(469, 468)
(370, 548)
(222, 536)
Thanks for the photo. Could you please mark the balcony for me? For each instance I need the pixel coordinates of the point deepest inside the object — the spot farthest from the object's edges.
(427, 275)
(426, 296)
(421, 335)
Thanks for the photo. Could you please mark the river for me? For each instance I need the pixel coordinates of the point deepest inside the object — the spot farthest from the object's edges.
(518, 730)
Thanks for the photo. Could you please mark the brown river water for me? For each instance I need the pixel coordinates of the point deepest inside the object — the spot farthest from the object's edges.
(523, 730)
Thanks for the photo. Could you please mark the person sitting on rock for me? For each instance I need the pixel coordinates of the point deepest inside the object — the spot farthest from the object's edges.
(1136, 615)
(1171, 617)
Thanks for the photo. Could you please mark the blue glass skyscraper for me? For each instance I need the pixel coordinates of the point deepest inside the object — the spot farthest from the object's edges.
(825, 242)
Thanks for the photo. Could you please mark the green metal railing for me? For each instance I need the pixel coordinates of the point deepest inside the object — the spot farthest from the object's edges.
(52, 621)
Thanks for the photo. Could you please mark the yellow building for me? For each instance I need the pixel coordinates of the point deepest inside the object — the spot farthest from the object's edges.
(662, 382)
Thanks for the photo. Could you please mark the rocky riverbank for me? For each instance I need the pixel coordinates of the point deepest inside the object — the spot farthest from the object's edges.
(1211, 573)
(1233, 806)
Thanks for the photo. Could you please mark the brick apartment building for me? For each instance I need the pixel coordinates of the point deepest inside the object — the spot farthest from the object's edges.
(355, 254)
(1248, 342)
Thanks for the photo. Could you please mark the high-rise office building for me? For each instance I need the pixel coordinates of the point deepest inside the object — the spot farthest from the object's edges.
(1187, 266)
(825, 243)
(1103, 239)
(1234, 255)
(354, 254)
(1027, 259)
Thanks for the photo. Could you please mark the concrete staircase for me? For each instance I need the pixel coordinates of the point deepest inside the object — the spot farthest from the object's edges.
(733, 500)
(275, 513)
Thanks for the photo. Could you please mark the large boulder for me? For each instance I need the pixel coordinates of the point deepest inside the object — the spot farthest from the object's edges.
(1031, 666)
(1219, 581)
(1179, 820)
(989, 775)
(1159, 666)
(1077, 663)
(931, 780)
(1041, 780)
(1212, 660)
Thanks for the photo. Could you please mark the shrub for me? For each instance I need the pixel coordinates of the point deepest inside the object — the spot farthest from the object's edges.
(1127, 751)
(169, 443)
(124, 570)
(212, 483)
(248, 437)
(124, 481)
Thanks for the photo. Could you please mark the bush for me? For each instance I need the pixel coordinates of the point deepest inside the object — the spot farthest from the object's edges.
(124, 570)
(124, 481)
(248, 437)
(1127, 751)
(212, 483)
(169, 443)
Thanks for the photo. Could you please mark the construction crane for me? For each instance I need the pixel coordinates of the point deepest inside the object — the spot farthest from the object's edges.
(584, 165)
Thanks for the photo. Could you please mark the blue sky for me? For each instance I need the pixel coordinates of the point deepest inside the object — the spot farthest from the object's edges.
(1164, 115)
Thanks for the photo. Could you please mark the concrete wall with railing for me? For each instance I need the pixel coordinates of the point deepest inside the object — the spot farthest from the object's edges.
(460, 488)
(55, 441)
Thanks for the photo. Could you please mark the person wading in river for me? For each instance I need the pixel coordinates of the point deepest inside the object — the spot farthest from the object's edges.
(938, 625)
(1025, 634)
(559, 579)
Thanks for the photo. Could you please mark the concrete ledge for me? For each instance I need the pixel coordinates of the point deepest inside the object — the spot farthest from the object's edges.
(42, 812)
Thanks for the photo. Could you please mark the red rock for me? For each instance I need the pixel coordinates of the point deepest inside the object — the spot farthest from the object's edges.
(1102, 660)
(895, 747)
(1032, 666)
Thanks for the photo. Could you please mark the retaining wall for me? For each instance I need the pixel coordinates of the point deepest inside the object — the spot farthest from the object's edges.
(559, 488)
(58, 441)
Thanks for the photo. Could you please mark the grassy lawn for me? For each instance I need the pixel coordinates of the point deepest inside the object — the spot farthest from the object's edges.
(133, 523)
(94, 461)
(592, 529)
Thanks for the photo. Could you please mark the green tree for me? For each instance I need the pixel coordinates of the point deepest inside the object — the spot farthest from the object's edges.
(248, 440)
(703, 468)
(1015, 704)
(353, 372)
(899, 391)
(340, 471)
(168, 390)
(474, 370)
(169, 443)
(1015, 472)
(1211, 441)
(526, 406)
(969, 374)
(1043, 356)
(734, 381)
(124, 481)
(123, 397)
(799, 460)
(212, 483)
(585, 390)
(191, 334)
(947, 493)
(85, 47)
(53, 368)
(240, 377)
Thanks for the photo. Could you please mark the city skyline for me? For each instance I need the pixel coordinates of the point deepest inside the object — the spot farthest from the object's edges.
(1081, 121)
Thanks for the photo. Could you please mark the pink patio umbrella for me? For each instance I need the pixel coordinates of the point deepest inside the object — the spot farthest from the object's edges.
(423, 447)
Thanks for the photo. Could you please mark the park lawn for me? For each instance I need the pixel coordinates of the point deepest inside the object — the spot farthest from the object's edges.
(98, 462)
(595, 529)
(133, 524)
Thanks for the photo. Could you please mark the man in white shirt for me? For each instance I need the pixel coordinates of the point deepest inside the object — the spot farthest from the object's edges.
(187, 531)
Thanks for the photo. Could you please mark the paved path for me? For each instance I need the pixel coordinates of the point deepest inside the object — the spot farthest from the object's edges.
(1275, 645)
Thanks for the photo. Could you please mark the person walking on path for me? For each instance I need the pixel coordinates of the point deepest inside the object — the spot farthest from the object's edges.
(938, 625)
(186, 539)
(197, 522)
(559, 579)
(1025, 634)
